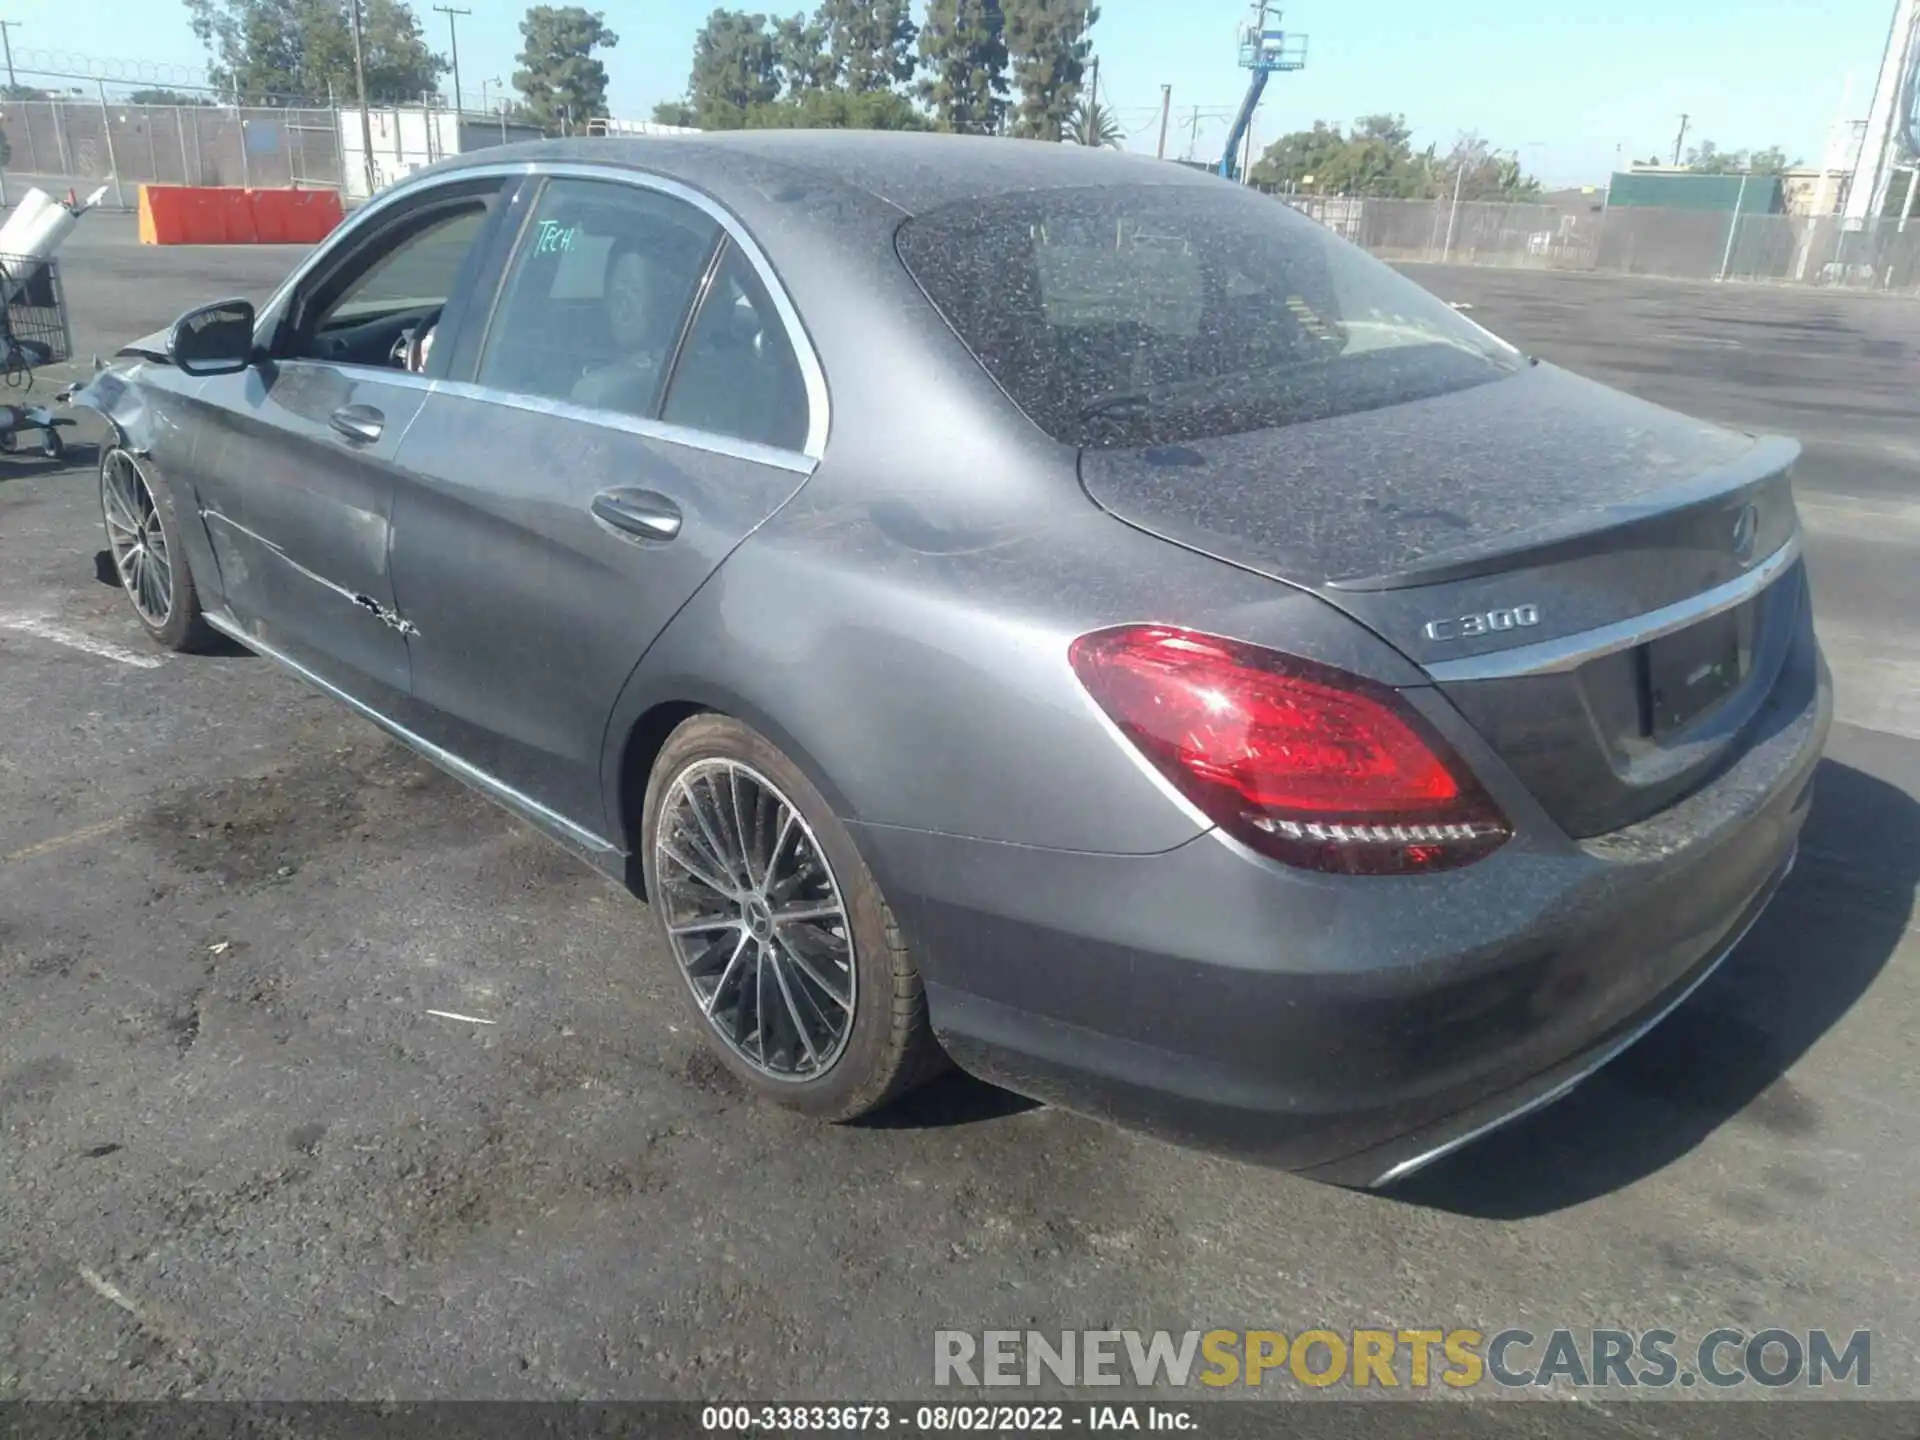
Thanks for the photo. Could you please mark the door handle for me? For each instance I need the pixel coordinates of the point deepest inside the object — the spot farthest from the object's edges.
(644, 513)
(361, 424)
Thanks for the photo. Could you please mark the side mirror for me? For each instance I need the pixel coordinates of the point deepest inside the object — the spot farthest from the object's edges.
(216, 339)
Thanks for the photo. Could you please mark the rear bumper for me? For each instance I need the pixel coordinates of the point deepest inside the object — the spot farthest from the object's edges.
(1405, 1154)
(1353, 1028)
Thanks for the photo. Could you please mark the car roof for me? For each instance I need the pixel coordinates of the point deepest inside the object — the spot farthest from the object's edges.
(911, 172)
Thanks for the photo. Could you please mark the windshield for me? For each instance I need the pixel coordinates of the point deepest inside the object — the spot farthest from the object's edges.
(1143, 314)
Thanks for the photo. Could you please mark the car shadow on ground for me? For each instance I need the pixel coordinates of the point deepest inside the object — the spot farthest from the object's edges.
(1725, 1053)
(953, 1098)
(27, 463)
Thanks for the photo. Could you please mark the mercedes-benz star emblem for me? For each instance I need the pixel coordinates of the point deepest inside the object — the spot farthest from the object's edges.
(1746, 531)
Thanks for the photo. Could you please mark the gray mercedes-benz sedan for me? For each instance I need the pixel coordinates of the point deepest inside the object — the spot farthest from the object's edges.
(1041, 607)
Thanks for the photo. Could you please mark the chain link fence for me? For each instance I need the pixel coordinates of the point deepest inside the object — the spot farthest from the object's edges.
(89, 141)
(84, 142)
(1675, 244)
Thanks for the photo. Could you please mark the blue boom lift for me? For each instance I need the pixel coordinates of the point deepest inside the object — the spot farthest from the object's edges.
(1264, 49)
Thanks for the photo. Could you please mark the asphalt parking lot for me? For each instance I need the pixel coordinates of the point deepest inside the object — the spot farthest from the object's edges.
(239, 1157)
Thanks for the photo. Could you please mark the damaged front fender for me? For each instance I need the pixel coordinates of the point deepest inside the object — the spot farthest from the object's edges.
(115, 394)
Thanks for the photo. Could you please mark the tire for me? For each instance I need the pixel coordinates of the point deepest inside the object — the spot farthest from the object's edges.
(182, 627)
(888, 1046)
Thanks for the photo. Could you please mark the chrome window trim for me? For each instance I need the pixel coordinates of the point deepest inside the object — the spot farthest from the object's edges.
(707, 440)
(812, 376)
(1570, 652)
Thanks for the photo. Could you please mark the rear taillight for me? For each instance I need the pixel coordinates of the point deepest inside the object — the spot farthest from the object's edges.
(1305, 763)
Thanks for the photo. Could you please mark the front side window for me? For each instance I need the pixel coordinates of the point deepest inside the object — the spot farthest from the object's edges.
(597, 295)
(1146, 314)
(384, 306)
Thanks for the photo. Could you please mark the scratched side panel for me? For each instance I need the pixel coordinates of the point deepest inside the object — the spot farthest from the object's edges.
(300, 515)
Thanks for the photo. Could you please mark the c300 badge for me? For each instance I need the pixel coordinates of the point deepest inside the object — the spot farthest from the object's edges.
(1487, 622)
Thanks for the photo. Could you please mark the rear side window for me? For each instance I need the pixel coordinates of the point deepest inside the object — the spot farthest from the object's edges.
(1143, 314)
(737, 374)
(597, 295)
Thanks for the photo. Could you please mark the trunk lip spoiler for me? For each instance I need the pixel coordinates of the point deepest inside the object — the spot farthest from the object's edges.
(1770, 457)
(1569, 652)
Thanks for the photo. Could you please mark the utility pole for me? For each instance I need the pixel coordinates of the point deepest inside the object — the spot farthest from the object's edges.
(1681, 138)
(7, 27)
(1193, 132)
(453, 41)
(1092, 133)
(1453, 214)
(1166, 106)
(360, 84)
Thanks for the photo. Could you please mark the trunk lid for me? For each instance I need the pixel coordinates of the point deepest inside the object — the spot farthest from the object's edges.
(1589, 577)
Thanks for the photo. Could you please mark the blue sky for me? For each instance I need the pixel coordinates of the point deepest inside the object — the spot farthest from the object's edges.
(1573, 88)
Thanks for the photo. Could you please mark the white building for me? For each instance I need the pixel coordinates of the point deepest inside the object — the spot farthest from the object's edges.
(606, 125)
(406, 139)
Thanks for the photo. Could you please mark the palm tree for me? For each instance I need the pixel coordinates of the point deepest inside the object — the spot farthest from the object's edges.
(1091, 123)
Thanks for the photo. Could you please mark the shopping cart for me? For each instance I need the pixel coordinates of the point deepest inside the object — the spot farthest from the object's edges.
(34, 331)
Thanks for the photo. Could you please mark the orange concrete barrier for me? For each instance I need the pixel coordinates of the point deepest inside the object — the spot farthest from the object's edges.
(195, 215)
(295, 217)
(218, 215)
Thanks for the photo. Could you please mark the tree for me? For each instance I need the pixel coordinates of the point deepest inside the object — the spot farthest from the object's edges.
(1301, 158)
(801, 56)
(674, 112)
(303, 49)
(1377, 158)
(736, 66)
(1483, 173)
(1706, 158)
(559, 77)
(838, 110)
(399, 63)
(166, 97)
(23, 92)
(869, 42)
(963, 47)
(1090, 123)
(1048, 45)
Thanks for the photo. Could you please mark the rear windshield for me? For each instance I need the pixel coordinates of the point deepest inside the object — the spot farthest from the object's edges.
(1143, 314)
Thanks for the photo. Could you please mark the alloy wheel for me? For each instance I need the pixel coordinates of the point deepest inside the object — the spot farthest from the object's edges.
(136, 537)
(756, 920)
